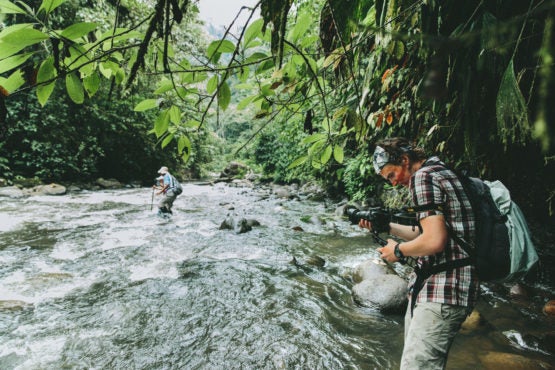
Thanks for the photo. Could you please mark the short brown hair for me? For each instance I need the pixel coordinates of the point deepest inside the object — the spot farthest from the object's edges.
(397, 146)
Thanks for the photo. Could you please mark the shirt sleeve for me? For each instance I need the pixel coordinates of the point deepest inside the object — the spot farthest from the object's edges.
(426, 193)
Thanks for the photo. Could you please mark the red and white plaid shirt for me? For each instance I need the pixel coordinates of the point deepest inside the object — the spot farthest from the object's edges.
(434, 184)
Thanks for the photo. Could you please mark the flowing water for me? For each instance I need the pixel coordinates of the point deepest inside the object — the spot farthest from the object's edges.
(96, 280)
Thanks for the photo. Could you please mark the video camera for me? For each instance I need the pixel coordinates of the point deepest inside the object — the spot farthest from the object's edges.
(378, 216)
(381, 217)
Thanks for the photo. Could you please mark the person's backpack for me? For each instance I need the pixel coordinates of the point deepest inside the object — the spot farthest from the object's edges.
(177, 188)
(503, 249)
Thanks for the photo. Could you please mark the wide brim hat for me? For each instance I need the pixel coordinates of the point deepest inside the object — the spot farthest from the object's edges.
(163, 170)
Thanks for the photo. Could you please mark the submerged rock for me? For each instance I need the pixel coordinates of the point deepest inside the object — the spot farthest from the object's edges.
(503, 361)
(387, 293)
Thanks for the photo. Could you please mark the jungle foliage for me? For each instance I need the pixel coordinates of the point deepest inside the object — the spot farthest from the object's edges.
(317, 81)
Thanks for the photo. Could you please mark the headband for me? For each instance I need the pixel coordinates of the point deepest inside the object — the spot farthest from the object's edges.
(380, 159)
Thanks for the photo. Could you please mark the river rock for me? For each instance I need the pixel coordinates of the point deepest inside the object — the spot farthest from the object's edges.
(234, 170)
(370, 269)
(109, 183)
(504, 361)
(387, 293)
(51, 189)
(11, 192)
(240, 226)
(473, 322)
(518, 291)
(549, 308)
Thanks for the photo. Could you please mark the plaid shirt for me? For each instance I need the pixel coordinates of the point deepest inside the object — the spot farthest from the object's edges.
(434, 184)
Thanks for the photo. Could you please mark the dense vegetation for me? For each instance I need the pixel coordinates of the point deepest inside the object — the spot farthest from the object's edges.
(300, 94)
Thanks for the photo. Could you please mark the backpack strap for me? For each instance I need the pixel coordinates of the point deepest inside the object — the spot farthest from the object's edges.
(422, 274)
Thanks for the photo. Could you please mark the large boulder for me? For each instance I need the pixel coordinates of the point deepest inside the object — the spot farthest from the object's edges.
(11, 192)
(234, 170)
(502, 361)
(51, 189)
(108, 183)
(386, 293)
(370, 269)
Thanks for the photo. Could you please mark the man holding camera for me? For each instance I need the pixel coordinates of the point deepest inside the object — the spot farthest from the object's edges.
(444, 288)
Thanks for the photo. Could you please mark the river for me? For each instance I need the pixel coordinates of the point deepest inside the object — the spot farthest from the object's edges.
(96, 280)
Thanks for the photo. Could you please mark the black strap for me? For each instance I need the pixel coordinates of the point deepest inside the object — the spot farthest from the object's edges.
(423, 274)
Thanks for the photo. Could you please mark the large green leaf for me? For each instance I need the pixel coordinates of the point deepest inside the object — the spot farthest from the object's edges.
(24, 37)
(13, 62)
(175, 114)
(74, 88)
(14, 82)
(49, 5)
(7, 7)
(252, 32)
(297, 162)
(168, 139)
(46, 73)
(162, 123)
(326, 154)
(91, 83)
(338, 154)
(78, 30)
(304, 21)
(224, 96)
(184, 145)
(146, 105)
(212, 84)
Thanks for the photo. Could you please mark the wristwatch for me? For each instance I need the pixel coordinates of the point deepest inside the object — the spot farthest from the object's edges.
(398, 253)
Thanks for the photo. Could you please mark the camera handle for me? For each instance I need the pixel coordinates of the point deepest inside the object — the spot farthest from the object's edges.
(381, 241)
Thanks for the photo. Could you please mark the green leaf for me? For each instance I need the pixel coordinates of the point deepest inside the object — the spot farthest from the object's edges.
(91, 83)
(49, 5)
(313, 138)
(252, 32)
(175, 115)
(184, 145)
(256, 57)
(301, 26)
(224, 96)
(74, 88)
(78, 30)
(326, 155)
(25, 36)
(168, 139)
(220, 46)
(146, 105)
(246, 101)
(14, 82)
(13, 62)
(46, 73)
(338, 154)
(7, 7)
(162, 123)
(165, 85)
(297, 162)
(212, 84)
(44, 92)
(243, 74)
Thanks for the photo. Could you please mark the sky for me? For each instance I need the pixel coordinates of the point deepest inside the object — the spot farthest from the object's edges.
(222, 12)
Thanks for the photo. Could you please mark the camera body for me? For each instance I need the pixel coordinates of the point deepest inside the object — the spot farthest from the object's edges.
(378, 216)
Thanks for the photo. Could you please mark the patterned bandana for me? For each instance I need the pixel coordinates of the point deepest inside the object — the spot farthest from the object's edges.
(380, 159)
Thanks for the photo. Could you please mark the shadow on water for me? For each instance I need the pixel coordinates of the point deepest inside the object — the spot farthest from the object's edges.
(96, 280)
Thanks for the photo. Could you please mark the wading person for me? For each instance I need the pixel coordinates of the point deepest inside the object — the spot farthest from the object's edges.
(169, 187)
(444, 288)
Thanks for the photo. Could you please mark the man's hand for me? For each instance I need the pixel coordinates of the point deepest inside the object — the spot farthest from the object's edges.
(388, 251)
(365, 224)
